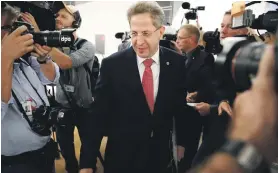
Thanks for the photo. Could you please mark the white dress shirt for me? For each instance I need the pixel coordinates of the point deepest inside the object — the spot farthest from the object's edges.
(155, 69)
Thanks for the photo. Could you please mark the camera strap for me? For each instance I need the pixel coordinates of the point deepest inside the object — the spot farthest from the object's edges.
(21, 109)
(71, 100)
(43, 102)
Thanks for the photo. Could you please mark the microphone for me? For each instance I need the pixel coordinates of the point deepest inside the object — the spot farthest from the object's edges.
(185, 5)
(119, 35)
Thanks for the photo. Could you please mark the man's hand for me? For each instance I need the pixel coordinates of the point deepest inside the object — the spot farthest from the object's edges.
(180, 151)
(256, 113)
(86, 170)
(203, 108)
(27, 17)
(41, 52)
(191, 97)
(225, 107)
(16, 45)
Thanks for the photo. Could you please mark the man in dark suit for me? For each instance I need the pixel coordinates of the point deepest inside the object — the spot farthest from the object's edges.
(139, 92)
(199, 69)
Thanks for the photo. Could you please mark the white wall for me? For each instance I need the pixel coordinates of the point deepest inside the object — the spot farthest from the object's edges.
(101, 17)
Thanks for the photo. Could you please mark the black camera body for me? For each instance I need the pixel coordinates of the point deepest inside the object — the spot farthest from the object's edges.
(167, 41)
(124, 36)
(267, 21)
(63, 38)
(170, 37)
(45, 117)
(192, 14)
(212, 39)
(241, 56)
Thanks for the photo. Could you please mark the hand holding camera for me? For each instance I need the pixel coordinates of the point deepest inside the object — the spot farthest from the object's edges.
(27, 17)
(15, 45)
(41, 52)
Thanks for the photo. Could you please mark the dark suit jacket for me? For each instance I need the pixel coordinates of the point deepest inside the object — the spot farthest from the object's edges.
(122, 112)
(199, 75)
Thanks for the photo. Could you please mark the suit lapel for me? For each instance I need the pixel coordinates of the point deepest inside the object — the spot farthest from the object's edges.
(133, 79)
(196, 61)
(165, 64)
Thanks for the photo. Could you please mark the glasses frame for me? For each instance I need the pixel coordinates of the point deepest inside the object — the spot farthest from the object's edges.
(147, 34)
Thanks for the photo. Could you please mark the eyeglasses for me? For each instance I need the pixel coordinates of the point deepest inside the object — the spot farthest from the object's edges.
(144, 34)
(182, 38)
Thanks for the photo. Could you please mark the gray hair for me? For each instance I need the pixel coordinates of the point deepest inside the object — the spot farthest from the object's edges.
(151, 7)
(9, 12)
(192, 30)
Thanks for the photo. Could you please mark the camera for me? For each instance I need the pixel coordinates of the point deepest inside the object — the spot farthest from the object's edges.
(63, 38)
(124, 36)
(212, 39)
(45, 117)
(240, 56)
(245, 18)
(169, 35)
(192, 14)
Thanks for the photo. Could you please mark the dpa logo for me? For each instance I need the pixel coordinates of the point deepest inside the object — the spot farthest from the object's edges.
(65, 39)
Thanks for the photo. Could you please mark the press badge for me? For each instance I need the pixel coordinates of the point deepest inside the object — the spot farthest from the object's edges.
(27, 106)
(69, 88)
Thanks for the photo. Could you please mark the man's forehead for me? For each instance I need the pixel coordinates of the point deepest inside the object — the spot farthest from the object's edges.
(64, 12)
(182, 32)
(227, 19)
(145, 28)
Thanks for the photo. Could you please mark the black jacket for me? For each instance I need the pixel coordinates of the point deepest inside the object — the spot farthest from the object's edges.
(199, 73)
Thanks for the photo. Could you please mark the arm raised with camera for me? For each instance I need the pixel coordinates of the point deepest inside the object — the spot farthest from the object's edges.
(46, 69)
(13, 47)
(75, 59)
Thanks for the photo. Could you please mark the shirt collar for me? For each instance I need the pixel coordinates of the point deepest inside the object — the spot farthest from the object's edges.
(18, 63)
(189, 54)
(155, 58)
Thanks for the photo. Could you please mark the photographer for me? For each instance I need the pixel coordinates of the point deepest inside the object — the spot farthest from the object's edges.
(74, 89)
(226, 27)
(260, 138)
(24, 148)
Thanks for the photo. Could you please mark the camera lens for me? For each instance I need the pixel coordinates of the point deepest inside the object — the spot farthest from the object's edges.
(63, 38)
(245, 64)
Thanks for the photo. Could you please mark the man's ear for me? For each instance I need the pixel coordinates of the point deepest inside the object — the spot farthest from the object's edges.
(162, 30)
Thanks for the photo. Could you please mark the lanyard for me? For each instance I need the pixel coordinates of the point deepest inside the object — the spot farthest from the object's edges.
(43, 102)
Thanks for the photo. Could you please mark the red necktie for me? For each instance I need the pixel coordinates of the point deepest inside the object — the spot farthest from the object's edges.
(147, 83)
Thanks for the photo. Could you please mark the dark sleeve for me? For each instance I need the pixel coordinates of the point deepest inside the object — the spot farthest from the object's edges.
(96, 124)
(225, 88)
(206, 91)
(209, 60)
(181, 118)
(214, 109)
